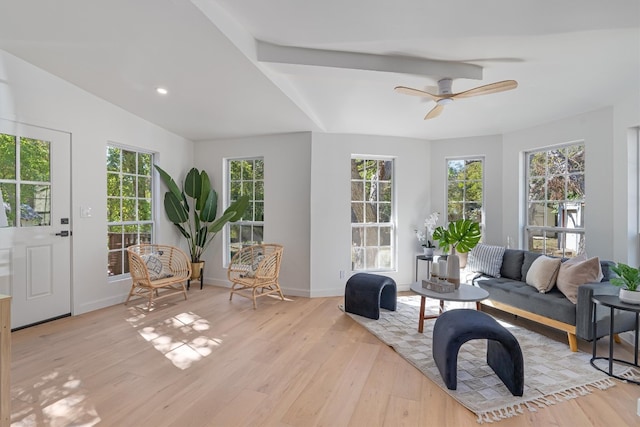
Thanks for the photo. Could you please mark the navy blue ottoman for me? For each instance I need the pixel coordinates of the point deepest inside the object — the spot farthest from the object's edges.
(365, 293)
(455, 327)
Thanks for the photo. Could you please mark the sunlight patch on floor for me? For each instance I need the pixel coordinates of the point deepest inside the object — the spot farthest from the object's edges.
(180, 338)
(56, 400)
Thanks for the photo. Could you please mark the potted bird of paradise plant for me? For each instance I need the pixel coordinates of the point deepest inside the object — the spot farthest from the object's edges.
(193, 210)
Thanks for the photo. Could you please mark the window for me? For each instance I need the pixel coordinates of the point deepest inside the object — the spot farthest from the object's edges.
(246, 177)
(372, 215)
(129, 204)
(465, 189)
(555, 200)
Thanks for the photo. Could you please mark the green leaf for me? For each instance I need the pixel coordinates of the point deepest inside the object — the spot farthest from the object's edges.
(239, 207)
(205, 189)
(169, 182)
(193, 183)
(175, 210)
(210, 208)
(220, 222)
(201, 236)
(184, 232)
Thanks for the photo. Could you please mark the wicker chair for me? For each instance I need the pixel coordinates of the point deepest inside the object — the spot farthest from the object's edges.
(253, 271)
(157, 267)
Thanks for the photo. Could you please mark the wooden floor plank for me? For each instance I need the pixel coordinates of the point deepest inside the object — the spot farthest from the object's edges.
(208, 362)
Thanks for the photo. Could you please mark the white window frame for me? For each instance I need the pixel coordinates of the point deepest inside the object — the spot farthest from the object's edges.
(542, 231)
(361, 251)
(481, 159)
(125, 242)
(254, 206)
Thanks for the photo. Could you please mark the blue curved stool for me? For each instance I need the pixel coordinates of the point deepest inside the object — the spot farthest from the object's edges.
(365, 293)
(455, 327)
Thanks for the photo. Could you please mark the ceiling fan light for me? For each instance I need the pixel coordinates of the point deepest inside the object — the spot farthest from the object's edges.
(445, 101)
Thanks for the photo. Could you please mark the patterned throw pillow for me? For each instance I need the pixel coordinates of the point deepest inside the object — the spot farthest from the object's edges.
(254, 267)
(486, 259)
(155, 267)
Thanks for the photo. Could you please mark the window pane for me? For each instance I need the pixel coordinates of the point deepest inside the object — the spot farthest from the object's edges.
(385, 212)
(113, 184)
(144, 210)
(537, 189)
(128, 161)
(7, 156)
(146, 232)
(556, 162)
(259, 172)
(385, 192)
(113, 159)
(371, 236)
(9, 202)
(35, 205)
(575, 187)
(129, 210)
(556, 188)
(575, 158)
(537, 164)
(144, 187)
(128, 186)
(357, 169)
(536, 241)
(247, 188)
(259, 211)
(536, 214)
(464, 189)
(34, 160)
(144, 164)
(247, 170)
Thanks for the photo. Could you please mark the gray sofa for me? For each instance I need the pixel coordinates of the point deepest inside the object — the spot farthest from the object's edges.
(510, 293)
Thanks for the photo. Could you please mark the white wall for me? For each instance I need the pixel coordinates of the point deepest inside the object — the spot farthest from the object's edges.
(35, 97)
(287, 161)
(487, 147)
(331, 210)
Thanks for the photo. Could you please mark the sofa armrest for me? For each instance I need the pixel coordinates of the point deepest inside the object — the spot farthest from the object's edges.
(624, 321)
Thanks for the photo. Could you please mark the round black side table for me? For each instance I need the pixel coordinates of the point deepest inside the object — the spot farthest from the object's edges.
(614, 303)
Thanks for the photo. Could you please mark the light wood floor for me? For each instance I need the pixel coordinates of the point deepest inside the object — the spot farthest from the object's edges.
(209, 362)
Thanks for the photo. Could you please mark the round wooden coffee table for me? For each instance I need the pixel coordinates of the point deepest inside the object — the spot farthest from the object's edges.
(465, 293)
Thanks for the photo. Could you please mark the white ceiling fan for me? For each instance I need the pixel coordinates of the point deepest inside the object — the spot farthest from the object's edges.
(445, 96)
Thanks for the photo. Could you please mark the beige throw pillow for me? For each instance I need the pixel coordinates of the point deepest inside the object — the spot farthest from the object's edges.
(576, 272)
(543, 272)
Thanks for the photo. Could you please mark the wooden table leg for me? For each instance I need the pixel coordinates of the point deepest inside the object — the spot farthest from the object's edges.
(421, 321)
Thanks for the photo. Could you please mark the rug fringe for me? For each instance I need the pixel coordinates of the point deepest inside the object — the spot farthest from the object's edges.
(541, 402)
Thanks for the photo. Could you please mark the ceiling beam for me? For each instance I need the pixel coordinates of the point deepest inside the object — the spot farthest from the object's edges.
(267, 52)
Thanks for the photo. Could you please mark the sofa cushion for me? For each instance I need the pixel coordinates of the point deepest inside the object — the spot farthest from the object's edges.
(486, 259)
(543, 272)
(529, 257)
(576, 272)
(512, 264)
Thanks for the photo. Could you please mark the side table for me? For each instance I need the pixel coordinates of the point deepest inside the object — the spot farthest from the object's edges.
(429, 260)
(614, 303)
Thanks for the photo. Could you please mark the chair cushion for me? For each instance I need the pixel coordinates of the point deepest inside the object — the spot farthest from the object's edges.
(253, 268)
(486, 259)
(155, 267)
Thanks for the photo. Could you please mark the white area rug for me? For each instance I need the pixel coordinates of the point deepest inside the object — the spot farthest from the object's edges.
(552, 372)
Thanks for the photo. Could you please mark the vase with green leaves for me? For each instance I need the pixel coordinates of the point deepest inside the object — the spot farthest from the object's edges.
(628, 280)
(461, 235)
(193, 210)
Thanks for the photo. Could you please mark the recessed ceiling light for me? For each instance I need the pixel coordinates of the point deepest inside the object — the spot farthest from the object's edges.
(162, 91)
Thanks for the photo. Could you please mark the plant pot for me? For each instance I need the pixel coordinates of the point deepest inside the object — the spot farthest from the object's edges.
(428, 251)
(196, 270)
(629, 297)
(453, 269)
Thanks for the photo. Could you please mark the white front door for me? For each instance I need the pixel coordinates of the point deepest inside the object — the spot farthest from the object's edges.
(35, 225)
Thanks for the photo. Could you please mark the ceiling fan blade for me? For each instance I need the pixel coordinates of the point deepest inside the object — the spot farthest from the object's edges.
(416, 92)
(435, 112)
(487, 89)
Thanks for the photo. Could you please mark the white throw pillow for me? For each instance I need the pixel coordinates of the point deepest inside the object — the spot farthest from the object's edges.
(543, 272)
(486, 259)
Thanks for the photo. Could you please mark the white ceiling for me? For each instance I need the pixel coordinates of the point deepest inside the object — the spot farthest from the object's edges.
(569, 56)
